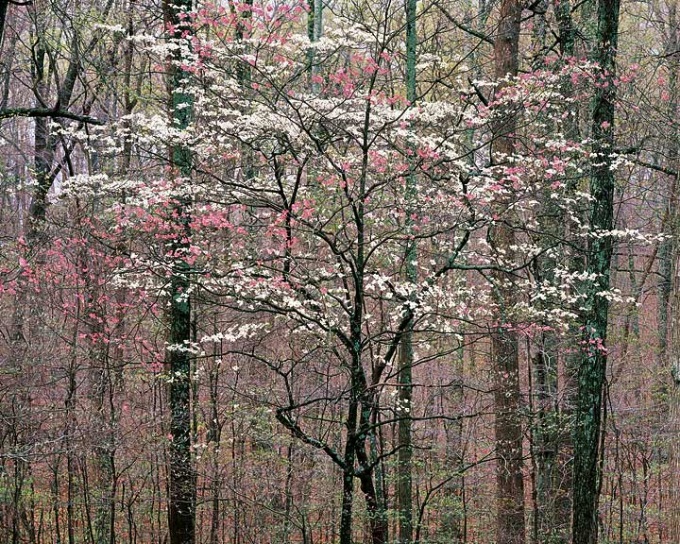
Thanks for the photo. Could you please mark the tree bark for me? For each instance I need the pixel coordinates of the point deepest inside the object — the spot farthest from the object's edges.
(510, 524)
(591, 374)
(182, 478)
(668, 288)
(405, 366)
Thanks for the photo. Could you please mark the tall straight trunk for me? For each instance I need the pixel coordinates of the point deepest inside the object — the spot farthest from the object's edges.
(404, 472)
(214, 437)
(668, 288)
(592, 368)
(510, 524)
(182, 479)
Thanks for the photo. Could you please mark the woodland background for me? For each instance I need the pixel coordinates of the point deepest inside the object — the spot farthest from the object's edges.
(345, 272)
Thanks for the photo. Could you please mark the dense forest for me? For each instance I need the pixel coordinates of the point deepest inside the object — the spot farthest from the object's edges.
(342, 271)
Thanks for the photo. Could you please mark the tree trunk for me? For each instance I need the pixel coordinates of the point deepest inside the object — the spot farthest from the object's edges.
(314, 33)
(591, 373)
(3, 17)
(668, 288)
(182, 479)
(510, 525)
(348, 475)
(404, 477)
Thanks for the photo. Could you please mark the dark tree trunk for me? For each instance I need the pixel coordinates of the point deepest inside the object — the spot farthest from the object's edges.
(348, 474)
(182, 479)
(405, 456)
(668, 288)
(591, 374)
(3, 17)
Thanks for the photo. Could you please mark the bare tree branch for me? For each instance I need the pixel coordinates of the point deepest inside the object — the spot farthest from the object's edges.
(465, 28)
(48, 112)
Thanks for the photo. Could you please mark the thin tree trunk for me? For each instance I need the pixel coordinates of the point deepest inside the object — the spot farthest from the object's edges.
(545, 440)
(348, 474)
(214, 438)
(405, 366)
(404, 477)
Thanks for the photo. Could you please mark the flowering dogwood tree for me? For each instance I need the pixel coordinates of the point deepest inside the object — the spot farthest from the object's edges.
(300, 211)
